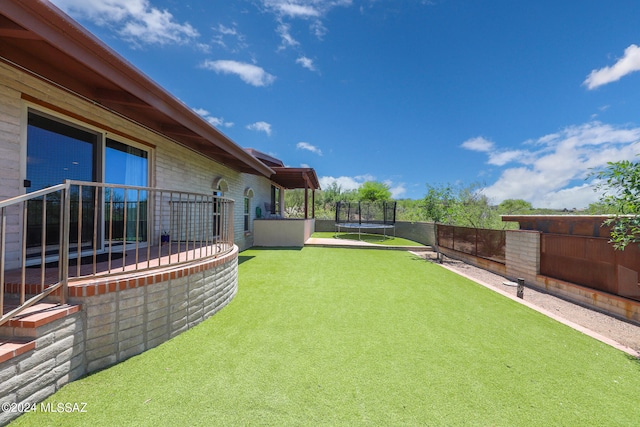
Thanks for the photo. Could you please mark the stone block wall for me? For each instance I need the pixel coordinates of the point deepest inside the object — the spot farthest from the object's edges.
(421, 232)
(58, 358)
(120, 317)
(137, 315)
(522, 253)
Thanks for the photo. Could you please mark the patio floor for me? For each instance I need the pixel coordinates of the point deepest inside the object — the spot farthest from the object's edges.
(35, 277)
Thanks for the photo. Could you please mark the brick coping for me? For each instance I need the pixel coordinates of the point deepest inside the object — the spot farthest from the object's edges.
(41, 314)
(13, 348)
(131, 280)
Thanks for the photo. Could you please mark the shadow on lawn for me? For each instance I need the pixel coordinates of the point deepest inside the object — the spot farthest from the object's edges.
(634, 359)
(364, 237)
(244, 258)
(274, 248)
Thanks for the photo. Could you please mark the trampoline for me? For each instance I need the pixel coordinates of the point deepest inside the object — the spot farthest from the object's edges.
(365, 226)
(366, 216)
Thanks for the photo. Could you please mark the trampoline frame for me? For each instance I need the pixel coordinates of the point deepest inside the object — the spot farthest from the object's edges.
(360, 227)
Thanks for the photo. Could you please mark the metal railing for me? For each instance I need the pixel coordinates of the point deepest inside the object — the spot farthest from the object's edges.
(76, 230)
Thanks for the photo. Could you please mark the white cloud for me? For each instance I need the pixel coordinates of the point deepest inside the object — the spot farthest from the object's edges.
(496, 157)
(553, 175)
(313, 10)
(283, 31)
(309, 147)
(397, 190)
(135, 20)
(318, 29)
(501, 158)
(260, 127)
(248, 73)
(229, 35)
(215, 121)
(346, 183)
(478, 144)
(304, 165)
(629, 63)
(292, 9)
(229, 31)
(306, 63)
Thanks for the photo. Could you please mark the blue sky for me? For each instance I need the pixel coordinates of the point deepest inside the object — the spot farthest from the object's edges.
(524, 98)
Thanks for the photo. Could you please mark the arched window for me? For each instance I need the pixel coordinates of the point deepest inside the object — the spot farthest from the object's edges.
(248, 195)
(220, 186)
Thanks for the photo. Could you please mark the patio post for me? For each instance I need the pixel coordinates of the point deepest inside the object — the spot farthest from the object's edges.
(306, 200)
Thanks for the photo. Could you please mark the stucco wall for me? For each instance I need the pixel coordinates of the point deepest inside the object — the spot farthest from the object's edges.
(283, 232)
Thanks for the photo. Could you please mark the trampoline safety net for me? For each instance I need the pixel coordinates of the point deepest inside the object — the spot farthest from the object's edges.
(378, 212)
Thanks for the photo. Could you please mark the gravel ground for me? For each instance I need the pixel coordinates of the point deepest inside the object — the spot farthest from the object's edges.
(618, 330)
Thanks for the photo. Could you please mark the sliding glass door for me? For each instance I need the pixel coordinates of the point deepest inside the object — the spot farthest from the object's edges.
(57, 151)
(126, 211)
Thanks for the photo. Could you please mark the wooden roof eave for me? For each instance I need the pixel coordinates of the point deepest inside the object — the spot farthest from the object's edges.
(124, 88)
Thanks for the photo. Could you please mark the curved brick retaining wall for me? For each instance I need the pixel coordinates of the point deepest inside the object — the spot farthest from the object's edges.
(121, 316)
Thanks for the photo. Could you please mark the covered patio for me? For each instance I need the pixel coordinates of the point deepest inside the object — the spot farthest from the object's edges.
(280, 231)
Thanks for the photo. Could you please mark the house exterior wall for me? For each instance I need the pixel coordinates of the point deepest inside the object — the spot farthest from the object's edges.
(173, 166)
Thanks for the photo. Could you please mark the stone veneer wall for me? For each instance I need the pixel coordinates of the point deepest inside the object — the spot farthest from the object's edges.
(128, 316)
(121, 316)
(58, 359)
(522, 254)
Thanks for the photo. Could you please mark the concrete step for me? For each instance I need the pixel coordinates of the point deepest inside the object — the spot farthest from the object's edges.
(19, 334)
(40, 314)
(14, 347)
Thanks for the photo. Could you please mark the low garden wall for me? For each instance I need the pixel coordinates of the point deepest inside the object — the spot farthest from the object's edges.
(523, 261)
(121, 316)
(124, 317)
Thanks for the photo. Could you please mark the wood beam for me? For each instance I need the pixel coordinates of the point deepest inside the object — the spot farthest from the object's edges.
(120, 97)
(18, 33)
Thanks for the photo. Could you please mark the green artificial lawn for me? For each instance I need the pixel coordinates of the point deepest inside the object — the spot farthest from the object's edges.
(378, 239)
(328, 336)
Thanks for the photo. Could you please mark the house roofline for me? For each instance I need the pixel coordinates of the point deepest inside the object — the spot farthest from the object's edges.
(110, 80)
